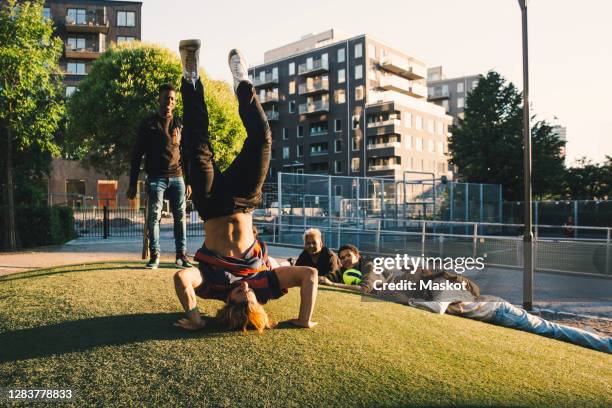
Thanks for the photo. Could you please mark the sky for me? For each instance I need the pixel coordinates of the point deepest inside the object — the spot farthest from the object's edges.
(570, 45)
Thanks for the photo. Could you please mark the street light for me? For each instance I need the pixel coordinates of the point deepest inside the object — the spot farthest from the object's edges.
(528, 235)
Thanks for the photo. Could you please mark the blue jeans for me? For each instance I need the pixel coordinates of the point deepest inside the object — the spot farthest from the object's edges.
(174, 187)
(508, 315)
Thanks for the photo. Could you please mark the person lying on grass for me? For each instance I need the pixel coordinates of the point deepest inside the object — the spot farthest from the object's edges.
(465, 300)
(233, 265)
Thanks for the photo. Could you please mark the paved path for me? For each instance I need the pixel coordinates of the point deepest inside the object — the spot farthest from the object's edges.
(87, 250)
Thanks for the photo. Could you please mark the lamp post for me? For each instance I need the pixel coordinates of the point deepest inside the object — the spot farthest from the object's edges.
(528, 235)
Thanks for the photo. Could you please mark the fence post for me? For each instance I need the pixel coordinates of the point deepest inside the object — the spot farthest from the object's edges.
(608, 251)
(475, 241)
(105, 223)
(279, 198)
(423, 232)
(576, 218)
(378, 237)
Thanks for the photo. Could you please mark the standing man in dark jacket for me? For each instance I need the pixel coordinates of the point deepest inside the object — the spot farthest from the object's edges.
(159, 140)
(316, 255)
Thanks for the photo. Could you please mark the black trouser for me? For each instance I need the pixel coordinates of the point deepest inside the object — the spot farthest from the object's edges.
(238, 188)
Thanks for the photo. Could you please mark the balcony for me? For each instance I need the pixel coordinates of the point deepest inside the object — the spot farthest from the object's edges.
(269, 79)
(373, 146)
(402, 67)
(313, 107)
(82, 53)
(381, 167)
(317, 67)
(313, 133)
(94, 22)
(315, 87)
(402, 85)
(269, 97)
(388, 122)
(438, 93)
(318, 153)
(272, 116)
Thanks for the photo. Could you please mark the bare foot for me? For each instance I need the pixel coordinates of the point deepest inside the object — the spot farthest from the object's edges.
(300, 323)
(189, 325)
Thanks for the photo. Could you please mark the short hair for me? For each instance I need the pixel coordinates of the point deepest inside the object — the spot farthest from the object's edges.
(314, 232)
(350, 247)
(166, 88)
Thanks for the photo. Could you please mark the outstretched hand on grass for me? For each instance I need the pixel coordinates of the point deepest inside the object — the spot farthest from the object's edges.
(189, 325)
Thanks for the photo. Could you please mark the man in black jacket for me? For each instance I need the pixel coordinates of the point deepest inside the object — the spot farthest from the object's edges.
(159, 140)
(316, 255)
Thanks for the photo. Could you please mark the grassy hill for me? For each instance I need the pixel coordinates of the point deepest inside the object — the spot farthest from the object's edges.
(105, 330)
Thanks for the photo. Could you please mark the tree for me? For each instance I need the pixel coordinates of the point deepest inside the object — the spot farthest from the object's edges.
(487, 144)
(121, 89)
(30, 103)
(587, 180)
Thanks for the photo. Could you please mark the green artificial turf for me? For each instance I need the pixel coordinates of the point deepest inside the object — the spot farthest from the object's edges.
(105, 331)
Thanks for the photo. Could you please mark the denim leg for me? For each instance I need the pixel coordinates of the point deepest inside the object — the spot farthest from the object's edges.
(156, 187)
(508, 315)
(176, 195)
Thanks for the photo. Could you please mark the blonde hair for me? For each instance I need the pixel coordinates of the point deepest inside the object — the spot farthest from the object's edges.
(238, 316)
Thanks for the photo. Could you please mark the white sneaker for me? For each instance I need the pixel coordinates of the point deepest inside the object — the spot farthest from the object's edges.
(190, 58)
(238, 67)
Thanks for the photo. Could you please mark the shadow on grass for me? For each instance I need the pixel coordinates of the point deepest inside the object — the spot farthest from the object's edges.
(87, 334)
(54, 271)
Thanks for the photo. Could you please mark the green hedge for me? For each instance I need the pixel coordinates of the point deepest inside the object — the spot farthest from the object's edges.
(38, 226)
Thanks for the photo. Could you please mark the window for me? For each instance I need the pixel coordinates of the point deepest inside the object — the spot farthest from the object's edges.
(337, 146)
(291, 87)
(123, 38)
(408, 119)
(341, 76)
(408, 141)
(474, 84)
(70, 90)
(341, 55)
(419, 122)
(460, 103)
(47, 13)
(126, 19)
(300, 131)
(300, 150)
(75, 16)
(440, 127)
(372, 75)
(76, 68)
(430, 126)
(318, 129)
(355, 164)
(355, 122)
(285, 152)
(291, 106)
(358, 71)
(285, 133)
(75, 43)
(440, 147)
(358, 50)
(338, 166)
(275, 72)
(445, 104)
(359, 93)
(419, 144)
(430, 146)
(272, 154)
(459, 87)
(340, 96)
(372, 51)
(292, 68)
(338, 189)
(355, 143)
(338, 125)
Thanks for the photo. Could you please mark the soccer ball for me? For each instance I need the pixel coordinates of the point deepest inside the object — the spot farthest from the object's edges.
(352, 277)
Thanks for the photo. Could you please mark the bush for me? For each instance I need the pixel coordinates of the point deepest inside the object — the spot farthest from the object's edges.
(38, 226)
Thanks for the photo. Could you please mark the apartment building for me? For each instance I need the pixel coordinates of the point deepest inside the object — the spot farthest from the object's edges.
(351, 106)
(87, 28)
(450, 93)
